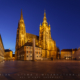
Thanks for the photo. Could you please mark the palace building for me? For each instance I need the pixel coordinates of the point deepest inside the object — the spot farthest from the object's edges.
(1, 50)
(8, 54)
(45, 46)
(68, 53)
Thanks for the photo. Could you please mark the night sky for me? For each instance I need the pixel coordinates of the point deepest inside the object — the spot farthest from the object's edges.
(63, 16)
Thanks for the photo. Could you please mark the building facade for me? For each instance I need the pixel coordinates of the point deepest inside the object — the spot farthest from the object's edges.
(43, 41)
(1, 50)
(26, 52)
(76, 54)
(8, 54)
(68, 53)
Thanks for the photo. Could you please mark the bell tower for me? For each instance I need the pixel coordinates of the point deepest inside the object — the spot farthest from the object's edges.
(44, 36)
(21, 34)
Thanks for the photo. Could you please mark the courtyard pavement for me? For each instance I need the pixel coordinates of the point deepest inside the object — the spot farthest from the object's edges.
(40, 70)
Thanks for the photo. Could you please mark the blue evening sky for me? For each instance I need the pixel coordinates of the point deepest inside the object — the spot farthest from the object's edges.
(63, 16)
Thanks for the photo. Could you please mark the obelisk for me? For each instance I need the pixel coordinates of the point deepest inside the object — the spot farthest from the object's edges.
(33, 49)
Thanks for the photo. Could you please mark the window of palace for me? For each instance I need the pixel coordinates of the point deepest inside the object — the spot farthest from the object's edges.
(27, 56)
(27, 51)
(37, 56)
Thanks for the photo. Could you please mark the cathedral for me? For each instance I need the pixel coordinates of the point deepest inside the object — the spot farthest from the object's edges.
(43, 42)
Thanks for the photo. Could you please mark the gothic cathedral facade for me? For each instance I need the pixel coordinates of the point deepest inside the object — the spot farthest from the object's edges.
(44, 39)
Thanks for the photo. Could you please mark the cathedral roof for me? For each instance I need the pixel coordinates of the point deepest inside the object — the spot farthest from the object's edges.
(29, 44)
(69, 50)
(32, 35)
(7, 50)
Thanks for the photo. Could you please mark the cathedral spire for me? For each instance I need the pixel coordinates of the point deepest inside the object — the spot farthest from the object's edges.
(21, 18)
(44, 19)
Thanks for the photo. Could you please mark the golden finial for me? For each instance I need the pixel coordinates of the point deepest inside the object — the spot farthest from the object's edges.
(44, 13)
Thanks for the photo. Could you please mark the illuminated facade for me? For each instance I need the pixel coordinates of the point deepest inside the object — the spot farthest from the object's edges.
(76, 54)
(48, 45)
(26, 52)
(8, 54)
(1, 50)
(43, 41)
(68, 53)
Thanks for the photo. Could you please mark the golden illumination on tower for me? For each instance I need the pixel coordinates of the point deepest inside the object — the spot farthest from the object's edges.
(21, 34)
(44, 40)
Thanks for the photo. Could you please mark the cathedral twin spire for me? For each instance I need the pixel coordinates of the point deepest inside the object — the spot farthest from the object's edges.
(44, 23)
(44, 19)
(21, 18)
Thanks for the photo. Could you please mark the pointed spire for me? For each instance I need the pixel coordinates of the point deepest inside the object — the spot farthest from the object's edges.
(21, 18)
(44, 19)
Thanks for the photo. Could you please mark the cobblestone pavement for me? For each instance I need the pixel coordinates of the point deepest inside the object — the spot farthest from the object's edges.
(40, 70)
